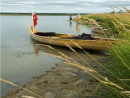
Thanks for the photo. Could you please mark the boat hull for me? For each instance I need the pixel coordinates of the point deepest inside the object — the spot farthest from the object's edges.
(101, 44)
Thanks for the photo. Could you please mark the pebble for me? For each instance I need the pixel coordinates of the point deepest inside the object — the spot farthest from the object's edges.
(49, 94)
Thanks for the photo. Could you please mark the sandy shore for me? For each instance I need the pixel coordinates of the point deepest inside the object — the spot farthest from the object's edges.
(63, 81)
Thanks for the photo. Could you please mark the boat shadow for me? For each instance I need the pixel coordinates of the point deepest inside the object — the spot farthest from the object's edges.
(38, 46)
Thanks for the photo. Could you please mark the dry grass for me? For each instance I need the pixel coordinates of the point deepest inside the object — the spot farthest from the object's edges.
(102, 79)
(3, 80)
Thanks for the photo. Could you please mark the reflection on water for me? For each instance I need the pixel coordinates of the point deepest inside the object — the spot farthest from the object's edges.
(70, 24)
(39, 47)
(77, 28)
(36, 51)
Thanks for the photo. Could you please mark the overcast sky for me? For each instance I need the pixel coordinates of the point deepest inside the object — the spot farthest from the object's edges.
(62, 6)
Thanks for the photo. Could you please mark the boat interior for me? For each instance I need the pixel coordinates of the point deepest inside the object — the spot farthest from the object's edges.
(83, 36)
(66, 36)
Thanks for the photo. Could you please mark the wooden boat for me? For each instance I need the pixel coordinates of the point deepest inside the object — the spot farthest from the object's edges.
(60, 40)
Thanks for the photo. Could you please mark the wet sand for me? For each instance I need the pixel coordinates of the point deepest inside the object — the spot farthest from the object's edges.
(64, 81)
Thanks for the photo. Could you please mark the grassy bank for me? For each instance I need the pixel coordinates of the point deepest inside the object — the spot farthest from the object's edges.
(115, 21)
(119, 66)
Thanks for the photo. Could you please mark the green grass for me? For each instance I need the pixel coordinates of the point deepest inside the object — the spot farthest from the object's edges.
(119, 65)
(109, 21)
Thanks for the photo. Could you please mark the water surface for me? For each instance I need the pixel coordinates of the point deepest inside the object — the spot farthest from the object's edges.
(18, 59)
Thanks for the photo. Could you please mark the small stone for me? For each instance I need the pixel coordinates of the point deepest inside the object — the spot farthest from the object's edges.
(49, 94)
(73, 74)
(78, 81)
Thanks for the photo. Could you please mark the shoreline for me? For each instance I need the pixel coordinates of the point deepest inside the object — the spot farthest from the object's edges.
(62, 81)
(41, 14)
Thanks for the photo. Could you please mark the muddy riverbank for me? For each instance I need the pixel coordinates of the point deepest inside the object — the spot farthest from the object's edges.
(64, 81)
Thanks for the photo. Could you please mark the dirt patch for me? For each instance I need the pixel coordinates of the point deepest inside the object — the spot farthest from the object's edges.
(63, 81)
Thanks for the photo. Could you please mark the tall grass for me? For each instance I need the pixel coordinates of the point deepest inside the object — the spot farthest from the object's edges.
(119, 24)
(110, 84)
(118, 76)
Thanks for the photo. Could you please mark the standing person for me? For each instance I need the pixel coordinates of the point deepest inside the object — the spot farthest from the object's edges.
(34, 18)
(78, 17)
(70, 17)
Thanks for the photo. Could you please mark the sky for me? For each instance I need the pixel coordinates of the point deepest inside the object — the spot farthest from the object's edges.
(62, 6)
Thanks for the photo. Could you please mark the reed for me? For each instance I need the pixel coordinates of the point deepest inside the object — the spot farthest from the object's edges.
(90, 70)
(119, 23)
(115, 88)
(6, 81)
(100, 64)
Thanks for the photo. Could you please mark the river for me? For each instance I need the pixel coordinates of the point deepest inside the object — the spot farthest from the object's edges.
(18, 59)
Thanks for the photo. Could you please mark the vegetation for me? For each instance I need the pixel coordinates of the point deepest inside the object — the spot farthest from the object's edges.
(117, 80)
(119, 66)
(111, 19)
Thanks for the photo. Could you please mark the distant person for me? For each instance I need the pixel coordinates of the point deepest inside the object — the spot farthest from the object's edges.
(70, 17)
(78, 17)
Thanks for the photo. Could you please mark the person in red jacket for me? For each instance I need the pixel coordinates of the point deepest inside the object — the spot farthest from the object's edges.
(35, 18)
